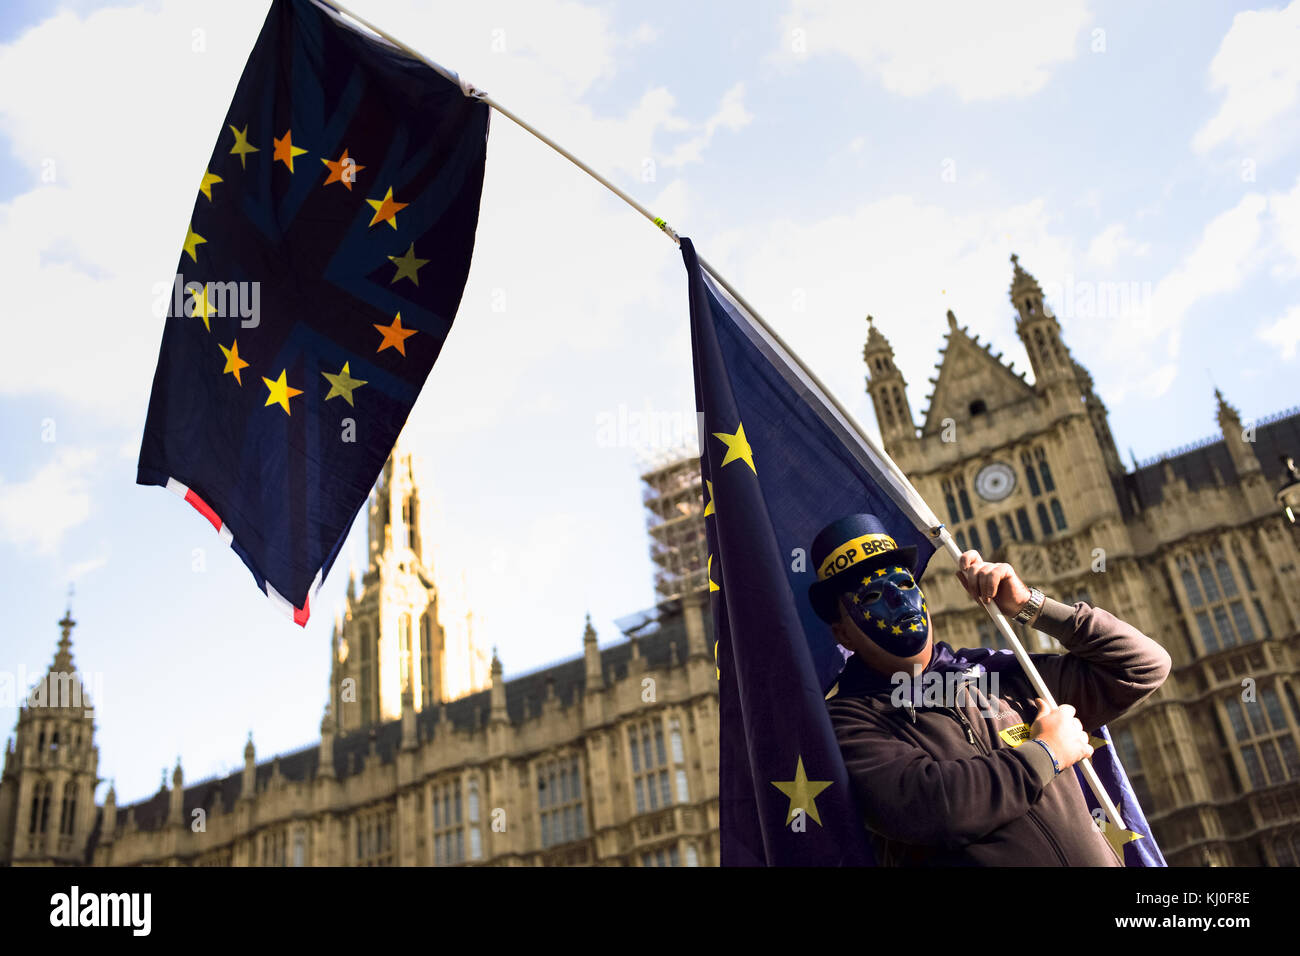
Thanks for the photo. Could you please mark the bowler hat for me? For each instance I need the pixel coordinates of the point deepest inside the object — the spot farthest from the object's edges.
(843, 551)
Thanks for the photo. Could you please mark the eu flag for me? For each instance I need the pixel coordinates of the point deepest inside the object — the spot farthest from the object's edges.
(323, 263)
(779, 463)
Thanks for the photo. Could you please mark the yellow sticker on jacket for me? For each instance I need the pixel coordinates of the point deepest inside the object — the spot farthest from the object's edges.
(1015, 736)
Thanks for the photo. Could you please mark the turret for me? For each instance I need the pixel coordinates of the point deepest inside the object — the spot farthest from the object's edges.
(888, 391)
(595, 676)
(498, 690)
(1040, 333)
(176, 799)
(1236, 438)
(249, 783)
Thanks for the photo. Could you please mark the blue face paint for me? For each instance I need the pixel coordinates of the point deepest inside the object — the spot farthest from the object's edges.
(888, 607)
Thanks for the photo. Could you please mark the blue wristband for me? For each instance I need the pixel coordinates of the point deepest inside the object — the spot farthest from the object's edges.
(1055, 766)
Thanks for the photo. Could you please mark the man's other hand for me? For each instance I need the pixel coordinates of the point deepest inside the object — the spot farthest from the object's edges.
(985, 581)
(1061, 731)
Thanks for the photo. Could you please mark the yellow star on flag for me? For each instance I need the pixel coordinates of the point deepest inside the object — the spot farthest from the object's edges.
(394, 335)
(802, 793)
(209, 180)
(285, 151)
(242, 146)
(201, 307)
(1096, 742)
(386, 209)
(880, 624)
(881, 573)
(708, 507)
(1117, 837)
(408, 266)
(233, 362)
(895, 630)
(281, 391)
(709, 571)
(192, 242)
(342, 384)
(737, 448)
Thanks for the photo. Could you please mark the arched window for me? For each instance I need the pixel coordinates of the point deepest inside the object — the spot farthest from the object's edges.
(45, 807)
(961, 540)
(950, 502)
(1225, 577)
(1192, 588)
(1043, 520)
(426, 661)
(975, 538)
(1207, 581)
(1245, 574)
(1059, 514)
(68, 814)
(995, 539)
(1045, 471)
(965, 503)
(367, 673)
(1029, 474)
(1026, 529)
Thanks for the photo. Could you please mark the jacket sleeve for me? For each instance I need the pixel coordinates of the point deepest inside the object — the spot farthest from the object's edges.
(905, 794)
(1111, 666)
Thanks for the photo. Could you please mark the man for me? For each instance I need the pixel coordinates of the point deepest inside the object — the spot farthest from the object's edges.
(973, 781)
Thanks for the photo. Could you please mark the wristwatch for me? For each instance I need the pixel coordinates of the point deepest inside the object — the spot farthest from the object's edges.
(1030, 610)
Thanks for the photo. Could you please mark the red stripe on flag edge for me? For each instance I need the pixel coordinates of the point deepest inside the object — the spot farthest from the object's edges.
(298, 615)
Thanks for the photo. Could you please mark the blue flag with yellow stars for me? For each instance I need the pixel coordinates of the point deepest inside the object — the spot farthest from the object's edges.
(778, 465)
(323, 263)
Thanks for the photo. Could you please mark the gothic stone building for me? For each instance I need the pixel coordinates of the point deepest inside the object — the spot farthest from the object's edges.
(1190, 548)
(608, 759)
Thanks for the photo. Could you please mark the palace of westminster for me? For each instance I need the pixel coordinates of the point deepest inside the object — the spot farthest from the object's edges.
(429, 756)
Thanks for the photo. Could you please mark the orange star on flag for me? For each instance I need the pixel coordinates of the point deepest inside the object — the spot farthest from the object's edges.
(386, 209)
(342, 170)
(285, 151)
(394, 335)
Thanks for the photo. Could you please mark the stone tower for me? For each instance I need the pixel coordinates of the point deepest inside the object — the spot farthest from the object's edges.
(47, 791)
(396, 633)
(888, 393)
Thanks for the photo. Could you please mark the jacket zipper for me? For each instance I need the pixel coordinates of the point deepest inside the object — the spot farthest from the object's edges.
(970, 735)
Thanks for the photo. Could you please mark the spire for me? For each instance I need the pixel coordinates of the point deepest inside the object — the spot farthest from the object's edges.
(1041, 335)
(888, 390)
(591, 655)
(1236, 438)
(498, 689)
(63, 656)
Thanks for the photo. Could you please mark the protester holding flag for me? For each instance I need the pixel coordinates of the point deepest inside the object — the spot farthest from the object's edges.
(970, 780)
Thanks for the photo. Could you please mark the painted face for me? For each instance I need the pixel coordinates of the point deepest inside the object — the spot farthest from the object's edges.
(889, 608)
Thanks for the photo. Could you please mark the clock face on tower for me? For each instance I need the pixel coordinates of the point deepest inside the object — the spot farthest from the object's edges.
(994, 482)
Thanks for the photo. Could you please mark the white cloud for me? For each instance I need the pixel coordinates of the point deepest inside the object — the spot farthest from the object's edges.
(978, 51)
(1113, 242)
(1257, 69)
(86, 251)
(38, 512)
(1284, 212)
(1284, 333)
(1223, 256)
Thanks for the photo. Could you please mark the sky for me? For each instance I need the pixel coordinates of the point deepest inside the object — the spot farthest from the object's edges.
(832, 160)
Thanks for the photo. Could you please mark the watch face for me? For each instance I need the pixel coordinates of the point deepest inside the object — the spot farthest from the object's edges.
(994, 482)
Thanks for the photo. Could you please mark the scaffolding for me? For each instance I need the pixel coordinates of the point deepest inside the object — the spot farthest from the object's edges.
(674, 499)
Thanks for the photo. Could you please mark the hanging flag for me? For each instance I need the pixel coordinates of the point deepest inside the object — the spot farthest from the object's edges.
(780, 463)
(322, 266)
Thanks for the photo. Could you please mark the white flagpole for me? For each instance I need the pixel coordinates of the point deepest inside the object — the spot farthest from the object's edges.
(920, 513)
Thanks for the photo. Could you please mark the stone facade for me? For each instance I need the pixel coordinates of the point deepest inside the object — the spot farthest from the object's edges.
(1191, 548)
(606, 759)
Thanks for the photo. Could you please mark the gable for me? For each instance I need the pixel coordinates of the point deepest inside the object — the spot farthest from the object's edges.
(969, 373)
